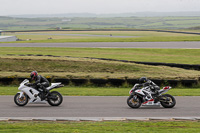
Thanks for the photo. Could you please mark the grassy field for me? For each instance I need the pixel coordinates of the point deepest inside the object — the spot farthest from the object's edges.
(102, 36)
(181, 56)
(101, 127)
(9, 23)
(79, 67)
(102, 91)
(87, 68)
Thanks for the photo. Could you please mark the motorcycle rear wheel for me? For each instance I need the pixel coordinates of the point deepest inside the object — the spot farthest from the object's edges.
(134, 104)
(55, 98)
(21, 101)
(170, 103)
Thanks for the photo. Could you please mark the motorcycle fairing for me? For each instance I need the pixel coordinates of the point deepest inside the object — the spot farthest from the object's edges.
(165, 89)
(53, 85)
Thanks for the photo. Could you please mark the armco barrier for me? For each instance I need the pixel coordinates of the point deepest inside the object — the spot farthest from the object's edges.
(104, 82)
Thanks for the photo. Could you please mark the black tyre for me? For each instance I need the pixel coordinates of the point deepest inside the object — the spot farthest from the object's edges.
(55, 98)
(168, 101)
(134, 103)
(21, 101)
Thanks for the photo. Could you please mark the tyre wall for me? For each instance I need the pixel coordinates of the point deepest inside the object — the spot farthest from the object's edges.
(104, 82)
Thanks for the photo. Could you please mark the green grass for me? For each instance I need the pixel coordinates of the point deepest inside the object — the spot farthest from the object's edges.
(108, 39)
(139, 39)
(130, 36)
(59, 67)
(87, 68)
(182, 56)
(8, 23)
(102, 91)
(66, 65)
(64, 34)
(101, 127)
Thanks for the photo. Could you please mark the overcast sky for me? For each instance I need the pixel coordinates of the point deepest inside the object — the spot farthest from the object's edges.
(19, 7)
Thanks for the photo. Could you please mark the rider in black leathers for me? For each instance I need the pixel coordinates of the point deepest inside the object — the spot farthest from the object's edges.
(153, 87)
(40, 82)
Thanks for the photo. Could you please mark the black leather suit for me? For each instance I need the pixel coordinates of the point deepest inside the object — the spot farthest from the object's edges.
(43, 82)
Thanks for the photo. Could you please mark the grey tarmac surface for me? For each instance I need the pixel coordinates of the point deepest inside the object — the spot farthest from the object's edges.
(99, 106)
(171, 45)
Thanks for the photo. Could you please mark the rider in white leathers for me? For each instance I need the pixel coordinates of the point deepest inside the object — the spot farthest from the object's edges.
(144, 82)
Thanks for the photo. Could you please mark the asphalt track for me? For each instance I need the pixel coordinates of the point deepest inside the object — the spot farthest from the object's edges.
(171, 45)
(99, 106)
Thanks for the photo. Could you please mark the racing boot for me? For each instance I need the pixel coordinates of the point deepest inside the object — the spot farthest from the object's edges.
(43, 96)
(45, 93)
(35, 95)
(156, 99)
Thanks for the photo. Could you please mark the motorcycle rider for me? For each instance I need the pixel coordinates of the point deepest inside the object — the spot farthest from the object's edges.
(144, 82)
(40, 82)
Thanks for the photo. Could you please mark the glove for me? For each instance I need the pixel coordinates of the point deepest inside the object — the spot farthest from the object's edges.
(152, 87)
(38, 84)
(28, 84)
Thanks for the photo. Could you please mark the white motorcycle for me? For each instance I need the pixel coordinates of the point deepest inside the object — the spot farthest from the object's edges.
(137, 97)
(30, 95)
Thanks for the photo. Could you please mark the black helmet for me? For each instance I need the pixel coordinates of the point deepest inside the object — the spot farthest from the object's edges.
(33, 75)
(143, 80)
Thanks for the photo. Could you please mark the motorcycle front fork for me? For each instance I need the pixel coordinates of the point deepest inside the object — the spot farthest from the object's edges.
(134, 98)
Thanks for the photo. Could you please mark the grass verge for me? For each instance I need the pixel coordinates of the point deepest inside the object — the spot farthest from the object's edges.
(96, 36)
(102, 91)
(108, 39)
(63, 67)
(181, 56)
(101, 127)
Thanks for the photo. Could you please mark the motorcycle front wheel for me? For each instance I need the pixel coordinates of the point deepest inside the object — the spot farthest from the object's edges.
(21, 101)
(168, 101)
(134, 103)
(55, 98)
